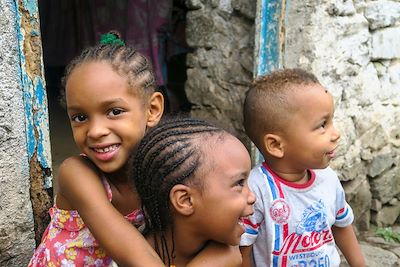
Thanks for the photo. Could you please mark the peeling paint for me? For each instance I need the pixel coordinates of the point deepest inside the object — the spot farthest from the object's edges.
(270, 42)
(36, 113)
(268, 39)
(31, 7)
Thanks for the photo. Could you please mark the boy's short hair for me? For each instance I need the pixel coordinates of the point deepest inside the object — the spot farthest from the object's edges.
(267, 107)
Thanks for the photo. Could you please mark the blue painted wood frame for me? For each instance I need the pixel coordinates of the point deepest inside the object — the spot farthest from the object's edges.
(269, 42)
(33, 85)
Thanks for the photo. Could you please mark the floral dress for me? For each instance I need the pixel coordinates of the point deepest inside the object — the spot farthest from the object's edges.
(68, 242)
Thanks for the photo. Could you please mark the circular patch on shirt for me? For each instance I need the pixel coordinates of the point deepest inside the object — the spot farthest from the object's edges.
(279, 211)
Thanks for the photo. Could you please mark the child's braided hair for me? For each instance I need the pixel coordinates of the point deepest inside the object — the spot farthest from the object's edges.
(169, 154)
(124, 59)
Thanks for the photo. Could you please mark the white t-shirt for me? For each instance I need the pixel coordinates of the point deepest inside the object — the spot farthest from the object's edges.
(291, 224)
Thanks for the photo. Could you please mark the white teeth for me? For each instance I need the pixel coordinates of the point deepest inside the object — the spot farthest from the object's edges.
(106, 149)
(241, 223)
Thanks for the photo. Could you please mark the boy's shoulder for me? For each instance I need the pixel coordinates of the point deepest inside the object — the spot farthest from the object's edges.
(259, 172)
(256, 170)
(328, 172)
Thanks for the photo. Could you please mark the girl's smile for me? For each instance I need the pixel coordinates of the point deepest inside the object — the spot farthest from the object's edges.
(106, 153)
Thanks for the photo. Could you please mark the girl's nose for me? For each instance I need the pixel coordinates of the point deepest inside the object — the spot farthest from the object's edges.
(97, 129)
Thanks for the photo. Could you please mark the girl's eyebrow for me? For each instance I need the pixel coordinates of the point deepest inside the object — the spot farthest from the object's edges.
(113, 101)
(105, 103)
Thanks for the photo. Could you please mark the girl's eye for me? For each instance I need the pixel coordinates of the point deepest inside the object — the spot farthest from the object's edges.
(323, 125)
(115, 112)
(79, 118)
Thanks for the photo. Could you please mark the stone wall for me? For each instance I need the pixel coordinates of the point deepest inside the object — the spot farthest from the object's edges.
(354, 49)
(221, 66)
(16, 220)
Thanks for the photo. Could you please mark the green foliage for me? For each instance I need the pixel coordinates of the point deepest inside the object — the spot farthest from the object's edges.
(388, 234)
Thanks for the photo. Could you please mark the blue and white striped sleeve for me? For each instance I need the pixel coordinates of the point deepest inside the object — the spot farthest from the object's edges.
(344, 213)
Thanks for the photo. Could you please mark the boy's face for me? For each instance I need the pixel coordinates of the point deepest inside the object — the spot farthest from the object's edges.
(310, 140)
(225, 200)
(107, 119)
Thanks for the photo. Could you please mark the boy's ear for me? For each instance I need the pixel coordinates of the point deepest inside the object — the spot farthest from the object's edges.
(155, 109)
(181, 199)
(273, 143)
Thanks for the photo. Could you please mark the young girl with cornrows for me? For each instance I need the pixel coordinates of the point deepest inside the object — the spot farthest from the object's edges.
(192, 179)
(111, 101)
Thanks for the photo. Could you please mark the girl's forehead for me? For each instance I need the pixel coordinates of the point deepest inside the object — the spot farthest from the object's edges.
(222, 146)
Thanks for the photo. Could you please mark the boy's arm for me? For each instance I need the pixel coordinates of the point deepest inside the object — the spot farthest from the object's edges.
(217, 255)
(346, 240)
(246, 255)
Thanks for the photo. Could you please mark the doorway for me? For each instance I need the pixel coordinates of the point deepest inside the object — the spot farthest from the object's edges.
(156, 28)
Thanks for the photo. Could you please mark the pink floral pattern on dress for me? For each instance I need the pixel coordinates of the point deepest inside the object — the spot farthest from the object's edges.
(68, 242)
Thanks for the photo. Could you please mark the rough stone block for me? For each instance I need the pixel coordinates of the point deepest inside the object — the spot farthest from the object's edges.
(247, 8)
(199, 29)
(341, 8)
(386, 43)
(193, 4)
(374, 138)
(376, 205)
(382, 13)
(358, 196)
(382, 161)
(387, 215)
(386, 186)
(375, 256)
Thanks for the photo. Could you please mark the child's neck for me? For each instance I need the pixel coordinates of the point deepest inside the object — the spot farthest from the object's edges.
(185, 249)
(117, 177)
(124, 195)
(296, 177)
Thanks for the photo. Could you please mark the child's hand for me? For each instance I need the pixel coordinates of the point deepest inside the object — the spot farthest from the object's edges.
(217, 255)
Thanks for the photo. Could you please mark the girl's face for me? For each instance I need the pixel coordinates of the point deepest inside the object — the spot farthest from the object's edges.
(107, 119)
(225, 199)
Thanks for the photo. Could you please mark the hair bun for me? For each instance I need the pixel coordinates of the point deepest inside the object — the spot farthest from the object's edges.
(112, 37)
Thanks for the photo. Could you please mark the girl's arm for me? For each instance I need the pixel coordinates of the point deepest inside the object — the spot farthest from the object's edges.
(80, 188)
(346, 240)
(217, 255)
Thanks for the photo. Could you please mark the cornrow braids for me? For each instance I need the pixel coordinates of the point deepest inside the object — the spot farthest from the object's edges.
(169, 154)
(124, 59)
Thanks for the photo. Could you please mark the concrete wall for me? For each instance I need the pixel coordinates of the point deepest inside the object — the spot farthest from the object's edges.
(16, 219)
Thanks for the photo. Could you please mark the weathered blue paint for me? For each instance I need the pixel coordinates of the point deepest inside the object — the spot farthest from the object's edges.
(34, 33)
(40, 105)
(35, 101)
(31, 7)
(269, 54)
